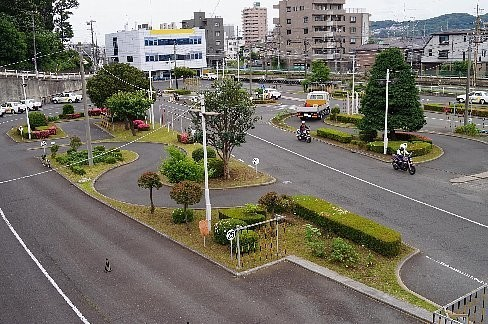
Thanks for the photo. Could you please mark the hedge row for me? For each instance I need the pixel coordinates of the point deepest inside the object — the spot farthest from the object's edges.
(459, 110)
(334, 135)
(410, 137)
(417, 148)
(356, 228)
(349, 119)
(241, 214)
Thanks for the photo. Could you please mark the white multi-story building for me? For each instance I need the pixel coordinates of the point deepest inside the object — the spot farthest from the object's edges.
(156, 50)
(254, 24)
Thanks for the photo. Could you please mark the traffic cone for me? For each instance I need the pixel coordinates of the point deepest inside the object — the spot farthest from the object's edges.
(108, 268)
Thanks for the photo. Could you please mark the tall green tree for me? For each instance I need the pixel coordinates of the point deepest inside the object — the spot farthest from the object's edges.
(13, 46)
(113, 78)
(404, 110)
(62, 12)
(150, 180)
(319, 73)
(129, 106)
(184, 72)
(235, 117)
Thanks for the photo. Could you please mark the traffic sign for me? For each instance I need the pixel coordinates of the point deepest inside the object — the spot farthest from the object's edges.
(255, 161)
(43, 143)
(231, 234)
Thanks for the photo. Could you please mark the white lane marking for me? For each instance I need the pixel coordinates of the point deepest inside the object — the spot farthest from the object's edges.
(25, 177)
(457, 270)
(370, 183)
(39, 265)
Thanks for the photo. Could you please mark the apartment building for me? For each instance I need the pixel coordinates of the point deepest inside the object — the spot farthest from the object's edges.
(311, 29)
(452, 46)
(158, 50)
(254, 24)
(214, 35)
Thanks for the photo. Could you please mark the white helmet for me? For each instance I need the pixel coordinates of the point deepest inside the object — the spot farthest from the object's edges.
(303, 122)
(403, 146)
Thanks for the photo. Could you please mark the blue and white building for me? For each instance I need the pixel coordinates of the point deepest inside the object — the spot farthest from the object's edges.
(157, 50)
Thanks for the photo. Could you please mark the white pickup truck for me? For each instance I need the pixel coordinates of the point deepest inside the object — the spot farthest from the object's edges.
(32, 104)
(66, 97)
(14, 107)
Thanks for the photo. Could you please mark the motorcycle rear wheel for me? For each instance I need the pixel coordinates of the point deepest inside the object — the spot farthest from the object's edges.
(411, 170)
(395, 165)
(309, 140)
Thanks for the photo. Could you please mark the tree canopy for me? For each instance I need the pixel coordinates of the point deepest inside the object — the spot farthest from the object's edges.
(150, 180)
(235, 117)
(113, 78)
(319, 73)
(404, 110)
(129, 106)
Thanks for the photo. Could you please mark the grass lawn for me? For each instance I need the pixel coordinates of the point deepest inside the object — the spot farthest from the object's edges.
(372, 269)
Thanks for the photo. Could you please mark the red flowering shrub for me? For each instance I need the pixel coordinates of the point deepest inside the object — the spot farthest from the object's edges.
(183, 138)
(137, 122)
(143, 127)
(94, 112)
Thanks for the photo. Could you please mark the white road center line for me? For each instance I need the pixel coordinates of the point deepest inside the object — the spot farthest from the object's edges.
(39, 265)
(457, 270)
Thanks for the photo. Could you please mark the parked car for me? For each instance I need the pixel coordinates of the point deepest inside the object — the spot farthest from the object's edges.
(32, 104)
(478, 97)
(66, 97)
(209, 76)
(14, 107)
(272, 93)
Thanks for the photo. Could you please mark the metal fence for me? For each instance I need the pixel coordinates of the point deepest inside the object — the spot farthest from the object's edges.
(40, 75)
(470, 308)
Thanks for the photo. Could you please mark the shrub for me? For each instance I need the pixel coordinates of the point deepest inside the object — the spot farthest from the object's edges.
(51, 119)
(197, 155)
(334, 112)
(54, 150)
(94, 112)
(242, 214)
(405, 136)
(181, 216)
(224, 225)
(416, 148)
(215, 168)
(248, 241)
(68, 109)
(356, 228)
(110, 160)
(99, 148)
(368, 135)
(75, 143)
(470, 130)
(334, 135)
(349, 119)
(186, 193)
(178, 167)
(37, 119)
(77, 169)
(274, 203)
(313, 241)
(343, 252)
(143, 127)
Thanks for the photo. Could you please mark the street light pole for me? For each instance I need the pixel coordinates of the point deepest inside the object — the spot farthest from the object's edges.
(24, 85)
(385, 135)
(87, 117)
(93, 49)
(466, 101)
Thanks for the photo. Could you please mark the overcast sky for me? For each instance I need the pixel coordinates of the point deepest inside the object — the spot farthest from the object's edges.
(112, 15)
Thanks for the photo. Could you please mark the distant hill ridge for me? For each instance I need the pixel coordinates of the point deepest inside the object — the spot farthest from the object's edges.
(413, 28)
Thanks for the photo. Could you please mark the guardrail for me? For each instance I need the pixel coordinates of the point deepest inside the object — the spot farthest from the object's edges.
(40, 75)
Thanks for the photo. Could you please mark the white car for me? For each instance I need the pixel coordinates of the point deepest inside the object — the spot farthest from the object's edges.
(209, 76)
(272, 93)
(32, 104)
(479, 97)
(66, 97)
(2, 111)
(14, 107)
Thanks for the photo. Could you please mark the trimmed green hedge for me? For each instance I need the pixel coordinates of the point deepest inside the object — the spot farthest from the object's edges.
(417, 148)
(221, 228)
(349, 119)
(356, 228)
(241, 214)
(334, 135)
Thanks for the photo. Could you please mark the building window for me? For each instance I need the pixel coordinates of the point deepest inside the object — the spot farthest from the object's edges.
(130, 59)
(302, 8)
(352, 19)
(444, 54)
(217, 24)
(430, 52)
(288, 9)
(217, 34)
(353, 41)
(288, 21)
(217, 43)
(305, 20)
(305, 30)
(444, 39)
(288, 31)
(352, 30)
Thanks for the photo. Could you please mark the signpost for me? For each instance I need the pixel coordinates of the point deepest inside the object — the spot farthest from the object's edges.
(21, 130)
(202, 225)
(230, 235)
(255, 162)
(43, 145)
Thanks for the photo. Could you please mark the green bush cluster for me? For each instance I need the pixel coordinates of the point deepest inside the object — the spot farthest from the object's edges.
(179, 215)
(37, 119)
(274, 203)
(215, 168)
(75, 158)
(68, 109)
(469, 129)
(248, 241)
(343, 252)
(368, 135)
(221, 228)
(242, 214)
(178, 167)
(345, 224)
(410, 137)
(334, 135)
(77, 169)
(313, 241)
(52, 119)
(416, 148)
(348, 119)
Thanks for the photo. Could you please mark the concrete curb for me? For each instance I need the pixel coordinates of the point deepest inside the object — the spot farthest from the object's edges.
(414, 311)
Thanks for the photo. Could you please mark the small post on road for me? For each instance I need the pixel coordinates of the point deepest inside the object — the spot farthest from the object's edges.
(255, 162)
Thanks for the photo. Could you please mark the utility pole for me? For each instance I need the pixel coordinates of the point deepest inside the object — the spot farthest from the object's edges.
(477, 40)
(385, 135)
(174, 51)
(34, 40)
(93, 49)
(305, 43)
(85, 106)
(354, 103)
(466, 101)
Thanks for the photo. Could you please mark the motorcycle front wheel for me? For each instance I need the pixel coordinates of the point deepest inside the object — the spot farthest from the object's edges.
(411, 170)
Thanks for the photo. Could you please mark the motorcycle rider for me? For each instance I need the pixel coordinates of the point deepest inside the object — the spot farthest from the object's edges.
(303, 128)
(402, 152)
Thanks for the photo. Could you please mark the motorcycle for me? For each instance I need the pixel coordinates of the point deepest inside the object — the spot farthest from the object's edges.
(304, 136)
(403, 163)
